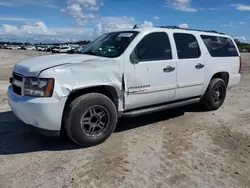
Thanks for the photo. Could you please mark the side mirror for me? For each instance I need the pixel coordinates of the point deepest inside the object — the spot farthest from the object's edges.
(134, 57)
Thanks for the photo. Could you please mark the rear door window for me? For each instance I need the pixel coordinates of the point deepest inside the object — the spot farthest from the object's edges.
(220, 46)
(187, 46)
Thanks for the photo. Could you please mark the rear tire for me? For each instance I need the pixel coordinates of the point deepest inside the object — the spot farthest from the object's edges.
(90, 119)
(215, 95)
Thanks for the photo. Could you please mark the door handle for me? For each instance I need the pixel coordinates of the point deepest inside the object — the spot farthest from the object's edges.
(199, 66)
(169, 69)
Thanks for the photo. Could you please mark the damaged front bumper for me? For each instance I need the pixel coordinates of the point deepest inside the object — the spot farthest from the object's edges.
(44, 113)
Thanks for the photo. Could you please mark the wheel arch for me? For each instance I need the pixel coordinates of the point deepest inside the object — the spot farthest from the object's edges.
(107, 90)
(223, 75)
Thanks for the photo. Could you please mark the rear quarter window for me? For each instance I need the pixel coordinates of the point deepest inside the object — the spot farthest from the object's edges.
(220, 46)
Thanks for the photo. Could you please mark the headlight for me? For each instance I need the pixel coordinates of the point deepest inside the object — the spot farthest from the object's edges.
(38, 87)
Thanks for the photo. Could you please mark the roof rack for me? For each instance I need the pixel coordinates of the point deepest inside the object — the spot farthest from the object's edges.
(175, 27)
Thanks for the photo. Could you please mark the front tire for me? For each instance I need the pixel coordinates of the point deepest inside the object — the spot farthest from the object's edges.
(215, 95)
(90, 119)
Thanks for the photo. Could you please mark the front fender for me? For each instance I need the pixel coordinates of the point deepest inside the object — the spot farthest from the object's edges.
(70, 78)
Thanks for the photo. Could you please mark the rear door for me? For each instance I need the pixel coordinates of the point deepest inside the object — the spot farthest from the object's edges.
(191, 66)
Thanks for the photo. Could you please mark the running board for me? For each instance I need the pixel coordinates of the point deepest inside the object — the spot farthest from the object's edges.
(160, 108)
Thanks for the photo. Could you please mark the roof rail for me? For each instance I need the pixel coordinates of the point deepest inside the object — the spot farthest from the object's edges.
(176, 27)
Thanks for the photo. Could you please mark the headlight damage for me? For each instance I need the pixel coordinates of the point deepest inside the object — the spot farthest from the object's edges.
(38, 87)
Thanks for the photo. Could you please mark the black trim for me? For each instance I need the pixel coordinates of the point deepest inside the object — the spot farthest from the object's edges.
(17, 90)
(17, 77)
(187, 29)
(161, 104)
(123, 91)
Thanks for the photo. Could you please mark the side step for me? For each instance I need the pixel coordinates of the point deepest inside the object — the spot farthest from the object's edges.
(149, 110)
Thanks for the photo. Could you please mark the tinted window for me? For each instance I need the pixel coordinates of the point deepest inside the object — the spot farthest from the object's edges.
(187, 46)
(110, 44)
(220, 46)
(153, 47)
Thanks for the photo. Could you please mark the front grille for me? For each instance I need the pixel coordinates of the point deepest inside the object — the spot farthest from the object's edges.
(17, 90)
(17, 77)
(17, 83)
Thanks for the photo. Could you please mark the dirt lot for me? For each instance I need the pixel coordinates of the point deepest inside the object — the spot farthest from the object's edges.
(177, 148)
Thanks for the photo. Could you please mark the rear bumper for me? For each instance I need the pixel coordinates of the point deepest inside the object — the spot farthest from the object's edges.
(233, 81)
(43, 113)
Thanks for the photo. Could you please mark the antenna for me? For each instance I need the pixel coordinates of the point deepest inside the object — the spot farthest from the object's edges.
(135, 26)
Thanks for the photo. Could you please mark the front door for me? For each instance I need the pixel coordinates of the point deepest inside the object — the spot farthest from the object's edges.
(150, 72)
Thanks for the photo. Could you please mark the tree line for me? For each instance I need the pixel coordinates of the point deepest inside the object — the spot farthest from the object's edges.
(242, 45)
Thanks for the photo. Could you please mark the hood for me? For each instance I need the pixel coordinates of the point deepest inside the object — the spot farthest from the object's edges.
(34, 66)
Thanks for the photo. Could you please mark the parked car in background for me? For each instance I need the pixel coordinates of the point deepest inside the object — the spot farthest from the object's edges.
(64, 49)
(14, 47)
(46, 48)
(244, 50)
(78, 49)
(40, 48)
(49, 49)
(30, 48)
(73, 49)
(22, 47)
(56, 49)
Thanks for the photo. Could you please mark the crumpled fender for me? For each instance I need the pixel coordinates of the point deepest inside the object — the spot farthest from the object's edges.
(72, 77)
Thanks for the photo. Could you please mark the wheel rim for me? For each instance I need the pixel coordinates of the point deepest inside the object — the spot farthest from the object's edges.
(218, 94)
(95, 120)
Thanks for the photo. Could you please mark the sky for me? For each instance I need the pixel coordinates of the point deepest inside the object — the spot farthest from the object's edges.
(72, 20)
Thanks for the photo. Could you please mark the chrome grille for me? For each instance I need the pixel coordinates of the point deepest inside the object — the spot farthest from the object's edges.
(18, 83)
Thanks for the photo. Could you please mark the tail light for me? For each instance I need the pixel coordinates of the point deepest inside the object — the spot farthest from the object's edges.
(240, 66)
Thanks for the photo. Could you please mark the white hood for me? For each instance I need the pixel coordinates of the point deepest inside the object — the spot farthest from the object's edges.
(34, 66)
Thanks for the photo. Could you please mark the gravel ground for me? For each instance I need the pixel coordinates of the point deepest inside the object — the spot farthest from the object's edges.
(184, 147)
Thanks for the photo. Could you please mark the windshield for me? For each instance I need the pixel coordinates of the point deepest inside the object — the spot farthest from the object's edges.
(110, 44)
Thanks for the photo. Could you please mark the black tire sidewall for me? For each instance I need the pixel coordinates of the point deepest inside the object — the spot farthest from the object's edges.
(209, 95)
(84, 103)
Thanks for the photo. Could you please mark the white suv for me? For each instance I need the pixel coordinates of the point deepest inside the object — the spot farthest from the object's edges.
(64, 49)
(124, 73)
